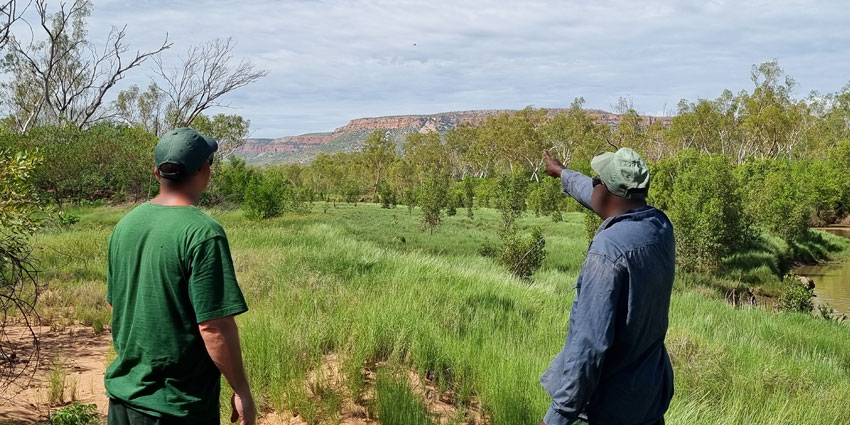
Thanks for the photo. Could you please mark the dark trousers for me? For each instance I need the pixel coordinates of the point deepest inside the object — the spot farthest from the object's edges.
(121, 414)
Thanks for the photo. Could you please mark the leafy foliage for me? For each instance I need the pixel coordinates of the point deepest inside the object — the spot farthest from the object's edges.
(707, 211)
(229, 183)
(20, 216)
(523, 256)
(266, 196)
(75, 414)
(103, 162)
(796, 297)
(432, 199)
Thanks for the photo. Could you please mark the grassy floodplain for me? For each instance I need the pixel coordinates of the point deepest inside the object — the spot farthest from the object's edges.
(365, 284)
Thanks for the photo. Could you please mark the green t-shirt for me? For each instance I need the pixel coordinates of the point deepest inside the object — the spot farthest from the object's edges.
(169, 268)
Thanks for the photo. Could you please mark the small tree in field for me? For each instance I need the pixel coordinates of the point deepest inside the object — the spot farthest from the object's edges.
(468, 193)
(266, 196)
(510, 194)
(547, 196)
(521, 256)
(386, 195)
(707, 211)
(432, 199)
(408, 197)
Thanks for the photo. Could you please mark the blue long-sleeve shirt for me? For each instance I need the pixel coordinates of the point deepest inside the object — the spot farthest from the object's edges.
(614, 367)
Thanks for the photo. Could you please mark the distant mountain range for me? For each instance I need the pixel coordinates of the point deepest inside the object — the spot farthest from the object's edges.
(349, 138)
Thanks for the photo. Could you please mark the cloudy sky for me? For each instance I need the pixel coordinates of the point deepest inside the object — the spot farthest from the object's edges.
(331, 61)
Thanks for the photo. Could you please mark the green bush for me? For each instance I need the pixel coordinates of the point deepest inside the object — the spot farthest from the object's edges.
(523, 256)
(777, 196)
(706, 211)
(550, 198)
(468, 193)
(408, 197)
(508, 196)
(75, 414)
(432, 199)
(661, 190)
(230, 180)
(796, 297)
(105, 161)
(386, 195)
(21, 215)
(266, 196)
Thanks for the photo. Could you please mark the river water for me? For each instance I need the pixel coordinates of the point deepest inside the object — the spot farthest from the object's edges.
(832, 280)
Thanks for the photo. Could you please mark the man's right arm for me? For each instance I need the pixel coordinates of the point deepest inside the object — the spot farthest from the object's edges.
(221, 337)
(577, 185)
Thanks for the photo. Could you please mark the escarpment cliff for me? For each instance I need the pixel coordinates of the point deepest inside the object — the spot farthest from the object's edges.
(350, 137)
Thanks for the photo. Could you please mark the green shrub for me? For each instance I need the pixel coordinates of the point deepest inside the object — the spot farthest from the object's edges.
(706, 211)
(468, 193)
(103, 162)
(266, 196)
(75, 414)
(485, 192)
(796, 297)
(661, 190)
(509, 194)
(408, 197)
(386, 195)
(523, 256)
(777, 196)
(230, 180)
(432, 199)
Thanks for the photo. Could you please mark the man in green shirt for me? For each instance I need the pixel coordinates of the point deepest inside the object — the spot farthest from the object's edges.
(173, 290)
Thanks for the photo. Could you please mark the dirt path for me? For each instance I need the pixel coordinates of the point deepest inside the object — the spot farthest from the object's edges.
(76, 354)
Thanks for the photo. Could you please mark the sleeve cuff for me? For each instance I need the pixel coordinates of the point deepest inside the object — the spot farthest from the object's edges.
(224, 312)
(553, 417)
(565, 177)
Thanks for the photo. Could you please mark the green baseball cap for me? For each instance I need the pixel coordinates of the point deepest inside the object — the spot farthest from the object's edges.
(186, 148)
(624, 173)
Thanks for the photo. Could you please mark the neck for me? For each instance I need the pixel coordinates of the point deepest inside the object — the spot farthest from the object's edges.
(623, 207)
(174, 198)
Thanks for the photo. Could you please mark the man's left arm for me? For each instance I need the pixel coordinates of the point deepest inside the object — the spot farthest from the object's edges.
(590, 336)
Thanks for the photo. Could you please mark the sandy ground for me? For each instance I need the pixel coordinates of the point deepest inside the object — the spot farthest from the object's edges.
(81, 355)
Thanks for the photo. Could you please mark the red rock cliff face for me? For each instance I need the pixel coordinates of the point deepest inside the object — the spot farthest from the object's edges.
(411, 123)
(253, 147)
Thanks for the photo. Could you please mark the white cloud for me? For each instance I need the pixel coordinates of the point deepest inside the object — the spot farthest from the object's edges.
(331, 61)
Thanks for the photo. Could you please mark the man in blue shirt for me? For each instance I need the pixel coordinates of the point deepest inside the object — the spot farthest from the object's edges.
(614, 368)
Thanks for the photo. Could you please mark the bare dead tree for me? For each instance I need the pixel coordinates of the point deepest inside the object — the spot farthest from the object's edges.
(9, 14)
(65, 78)
(204, 75)
(19, 289)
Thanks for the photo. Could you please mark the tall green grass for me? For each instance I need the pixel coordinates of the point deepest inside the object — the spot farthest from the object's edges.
(397, 405)
(343, 282)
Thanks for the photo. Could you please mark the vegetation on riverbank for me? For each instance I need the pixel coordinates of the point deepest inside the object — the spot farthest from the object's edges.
(364, 283)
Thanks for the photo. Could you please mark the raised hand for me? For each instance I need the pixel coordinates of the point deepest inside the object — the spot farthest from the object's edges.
(554, 167)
